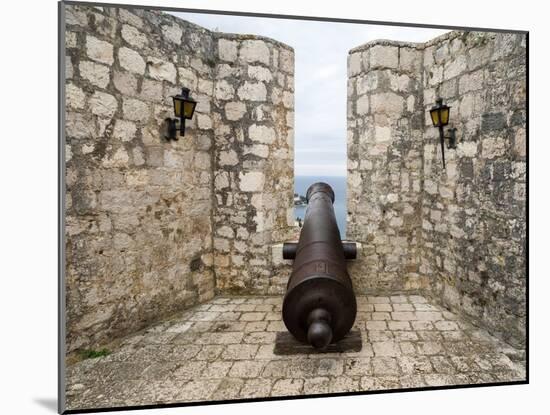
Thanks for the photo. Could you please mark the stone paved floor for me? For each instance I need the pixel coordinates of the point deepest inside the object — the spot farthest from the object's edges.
(224, 350)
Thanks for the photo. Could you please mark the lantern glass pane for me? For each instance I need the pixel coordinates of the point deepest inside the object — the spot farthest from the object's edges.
(177, 107)
(445, 116)
(188, 109)
(435, 117)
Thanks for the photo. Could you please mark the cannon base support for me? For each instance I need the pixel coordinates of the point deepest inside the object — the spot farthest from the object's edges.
(287, 345)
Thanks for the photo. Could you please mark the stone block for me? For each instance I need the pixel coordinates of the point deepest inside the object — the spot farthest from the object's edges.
(363, 105)
(187, 77)
(97, 74)
(103, 104)
(470, 82)
(131, 60)
(261, 134)
(79, 126)
(445, 325)
(204, 121)
(133, 36)
(467, 149)
(152, 90)
(74, 96)
(69, 70)
(388, 103)
(435, 75)
(252, 51)
(202, 161)
(234, 111)
(259, 150)
(240, 352)
(285, 387)
(227, 50)
(403, 316)
(128, 17)
(384, 366)
(455, 66)
(493, 147)
(205, 86)
(252, 91)
(223, 90)
(99, 50)
(246, 369)
(172, 33)
(260, 73)
(409, 59)
(228, 158)
(288, 99)
(520, 143)
(154, 156)
(119, 158)
(383, 57)
(135, 110)
(161, 70)
(256, 388)
(286, 60)
(70, 39)
(124, 130)
(382, 134)
(75, 16)
(354, 64)
(429, 348)
(125, 83)
(386, 348)
(252, 181)
(493, 122)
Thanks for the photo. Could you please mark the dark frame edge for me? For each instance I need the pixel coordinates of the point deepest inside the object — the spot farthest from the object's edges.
(295, 397)
(292, 17)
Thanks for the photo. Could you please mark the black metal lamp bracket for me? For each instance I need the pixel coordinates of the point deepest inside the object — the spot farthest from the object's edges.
(450, 145)
(171, 128)
(452, 138)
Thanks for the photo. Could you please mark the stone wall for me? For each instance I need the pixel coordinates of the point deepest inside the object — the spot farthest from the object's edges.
(458, 233)
(474, 212)
(385, 165)
(144, 226)
(254, 162)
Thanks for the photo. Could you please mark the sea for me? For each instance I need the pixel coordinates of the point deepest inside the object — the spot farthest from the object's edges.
(338, 184)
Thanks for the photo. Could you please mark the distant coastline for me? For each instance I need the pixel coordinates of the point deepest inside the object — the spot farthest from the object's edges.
(338, 184)
(299, 200)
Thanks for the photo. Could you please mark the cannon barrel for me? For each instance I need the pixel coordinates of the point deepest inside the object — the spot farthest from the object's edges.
(319, 306)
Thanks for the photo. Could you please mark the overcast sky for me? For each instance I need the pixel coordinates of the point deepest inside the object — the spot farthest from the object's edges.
(321, 50)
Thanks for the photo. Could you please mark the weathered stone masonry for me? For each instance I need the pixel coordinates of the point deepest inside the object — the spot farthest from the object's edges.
(254, 162)
(385, 137)
(154, 226)
(458, 234)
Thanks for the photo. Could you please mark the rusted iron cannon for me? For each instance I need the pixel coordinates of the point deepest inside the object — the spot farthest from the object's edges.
(319, 306)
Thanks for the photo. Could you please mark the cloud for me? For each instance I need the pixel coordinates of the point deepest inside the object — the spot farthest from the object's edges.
(321, 50)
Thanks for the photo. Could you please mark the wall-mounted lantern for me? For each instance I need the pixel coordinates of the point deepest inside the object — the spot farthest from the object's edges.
(184, 108)
(440, 118)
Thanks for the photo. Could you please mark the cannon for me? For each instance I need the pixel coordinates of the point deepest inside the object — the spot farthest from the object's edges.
(319, 305)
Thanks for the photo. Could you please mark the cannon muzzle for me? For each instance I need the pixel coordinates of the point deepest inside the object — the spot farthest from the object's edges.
(319, 306)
